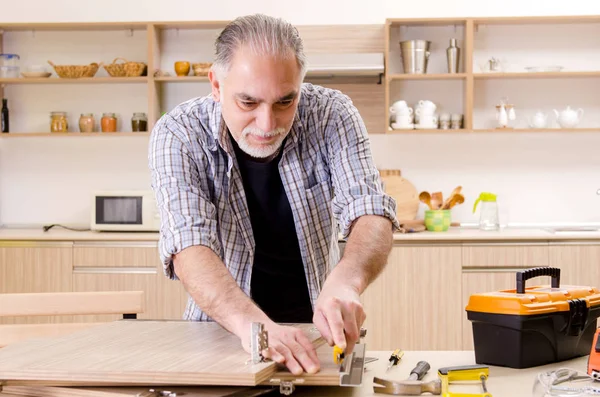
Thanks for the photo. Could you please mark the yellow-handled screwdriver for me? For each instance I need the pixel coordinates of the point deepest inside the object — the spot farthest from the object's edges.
(395, 358)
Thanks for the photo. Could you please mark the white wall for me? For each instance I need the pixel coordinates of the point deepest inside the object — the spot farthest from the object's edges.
(541, 178)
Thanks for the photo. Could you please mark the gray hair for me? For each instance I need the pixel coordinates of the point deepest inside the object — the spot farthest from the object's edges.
(265, 35)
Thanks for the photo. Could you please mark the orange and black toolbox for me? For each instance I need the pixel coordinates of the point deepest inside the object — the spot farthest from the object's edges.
(531, 326)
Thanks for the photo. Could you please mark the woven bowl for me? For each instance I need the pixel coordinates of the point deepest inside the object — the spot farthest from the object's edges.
(75, 71)
(201, 69)
(126, 69)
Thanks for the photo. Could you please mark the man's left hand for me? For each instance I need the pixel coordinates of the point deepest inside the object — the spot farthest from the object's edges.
(339, 315)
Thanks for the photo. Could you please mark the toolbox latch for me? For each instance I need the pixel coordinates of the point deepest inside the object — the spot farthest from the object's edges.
(578, 315)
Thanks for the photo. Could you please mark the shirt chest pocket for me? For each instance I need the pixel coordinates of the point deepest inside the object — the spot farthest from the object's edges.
(318, 198)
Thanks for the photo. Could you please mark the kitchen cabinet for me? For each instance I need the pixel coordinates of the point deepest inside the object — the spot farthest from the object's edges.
(125, 266)
(505, 255)
(417, 295)
(579, 262)
(35, 267)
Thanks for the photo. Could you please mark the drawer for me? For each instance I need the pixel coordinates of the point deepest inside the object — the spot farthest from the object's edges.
(105, 254)
(505, 255)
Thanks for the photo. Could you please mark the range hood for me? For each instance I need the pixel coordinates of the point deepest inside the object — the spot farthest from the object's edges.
(350, 64)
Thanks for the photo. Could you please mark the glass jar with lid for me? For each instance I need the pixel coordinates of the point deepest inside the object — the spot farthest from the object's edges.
(139, 122)
(87, 122)
(58, 122)
(109, 122)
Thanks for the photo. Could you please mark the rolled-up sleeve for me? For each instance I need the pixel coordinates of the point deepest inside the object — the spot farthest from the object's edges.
(358, 189)
(187, 215)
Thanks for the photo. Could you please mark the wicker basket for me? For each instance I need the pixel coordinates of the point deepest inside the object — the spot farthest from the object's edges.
(127, 69)
(201, 69)
(75, 71)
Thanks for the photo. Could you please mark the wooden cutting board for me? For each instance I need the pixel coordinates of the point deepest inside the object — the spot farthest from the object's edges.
(404, 193)
(146, 353)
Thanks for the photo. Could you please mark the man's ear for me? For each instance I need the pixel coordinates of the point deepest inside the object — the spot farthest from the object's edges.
(214, 84)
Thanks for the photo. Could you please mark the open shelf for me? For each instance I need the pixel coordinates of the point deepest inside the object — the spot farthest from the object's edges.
(536, 75)
(182, 79)
(433, 76)
(70, 134)
(83, 80)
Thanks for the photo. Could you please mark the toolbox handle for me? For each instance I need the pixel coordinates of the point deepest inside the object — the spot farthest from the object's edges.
(525, 275)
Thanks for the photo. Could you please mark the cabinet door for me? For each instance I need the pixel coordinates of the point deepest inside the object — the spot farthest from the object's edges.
(35, 267)
(415, 304)
(524, 255)
(480, 281)
(127, 266)
(579, 262)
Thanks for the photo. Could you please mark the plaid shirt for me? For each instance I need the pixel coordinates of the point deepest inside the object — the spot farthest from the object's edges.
(326, 169)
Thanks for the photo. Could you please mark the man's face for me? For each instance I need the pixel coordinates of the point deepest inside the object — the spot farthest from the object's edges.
(259, 97)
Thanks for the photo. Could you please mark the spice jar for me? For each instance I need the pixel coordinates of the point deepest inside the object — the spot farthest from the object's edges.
(86, 122)
(58, 122)
(109, 122)
(139, 122)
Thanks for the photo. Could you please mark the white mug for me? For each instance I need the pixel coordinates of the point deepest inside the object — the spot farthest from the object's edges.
(430, 121)
(425, 104)
(425, 112)
(404, 120)
(400, 107)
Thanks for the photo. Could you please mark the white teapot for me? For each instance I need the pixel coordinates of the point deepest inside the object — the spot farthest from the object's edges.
(568, 118)
(538, 120)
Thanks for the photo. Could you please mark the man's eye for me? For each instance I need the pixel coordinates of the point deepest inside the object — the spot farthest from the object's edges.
(286, 103)
(247, 104)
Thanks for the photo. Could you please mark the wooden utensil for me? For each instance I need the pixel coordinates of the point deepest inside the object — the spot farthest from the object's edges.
(437, 198)
(454, 192)
(456, 199)
(425, 197)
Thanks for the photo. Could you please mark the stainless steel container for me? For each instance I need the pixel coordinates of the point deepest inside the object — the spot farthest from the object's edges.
(453, 56)
(415, 54)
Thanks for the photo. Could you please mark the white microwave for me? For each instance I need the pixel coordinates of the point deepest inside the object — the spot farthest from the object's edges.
(125, 210)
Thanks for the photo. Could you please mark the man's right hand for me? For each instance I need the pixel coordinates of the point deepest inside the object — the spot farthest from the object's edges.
(288, 346)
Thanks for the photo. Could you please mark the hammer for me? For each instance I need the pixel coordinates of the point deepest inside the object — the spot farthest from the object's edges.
(413, 386)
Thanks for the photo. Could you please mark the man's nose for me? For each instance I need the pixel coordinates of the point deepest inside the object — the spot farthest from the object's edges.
(266, 119)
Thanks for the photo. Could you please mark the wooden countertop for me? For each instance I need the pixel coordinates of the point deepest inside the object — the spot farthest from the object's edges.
(502, 382)
(456, 234)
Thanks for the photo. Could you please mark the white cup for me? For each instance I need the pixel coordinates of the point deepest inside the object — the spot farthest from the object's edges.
(400, 107)
(430, 121)
(425, 112)
(426, 104)
(445, 117)
(404, 120)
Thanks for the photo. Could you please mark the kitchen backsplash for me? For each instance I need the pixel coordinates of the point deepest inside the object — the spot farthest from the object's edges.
(539, 177)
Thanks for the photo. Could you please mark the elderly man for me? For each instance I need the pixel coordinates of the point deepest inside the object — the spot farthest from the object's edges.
(255, 183)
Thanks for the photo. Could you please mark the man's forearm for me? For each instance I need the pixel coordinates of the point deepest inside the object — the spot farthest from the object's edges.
(366, 252)
(214, 290)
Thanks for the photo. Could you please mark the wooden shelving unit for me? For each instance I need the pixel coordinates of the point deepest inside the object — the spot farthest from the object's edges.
(470, 80)
(71, 134)
(159, 43)
(468, 92)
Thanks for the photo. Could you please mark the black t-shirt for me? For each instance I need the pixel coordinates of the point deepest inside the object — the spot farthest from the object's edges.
(278, 285)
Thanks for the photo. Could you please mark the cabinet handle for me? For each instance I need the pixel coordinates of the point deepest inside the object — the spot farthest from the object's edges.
(114, 270)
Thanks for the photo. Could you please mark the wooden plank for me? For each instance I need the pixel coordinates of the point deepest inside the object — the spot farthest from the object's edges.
(138, 353)
(71, 303)
(57, 391)
(13, 333)
(82, 80)
(537, 75)
(71, 134)
(432, 76)
(342, 38)
(469, 93)
(533, 20)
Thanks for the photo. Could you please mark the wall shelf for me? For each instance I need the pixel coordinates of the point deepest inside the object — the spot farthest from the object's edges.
(182, 79)
(71, 134)
(518, 43)
(83, 80)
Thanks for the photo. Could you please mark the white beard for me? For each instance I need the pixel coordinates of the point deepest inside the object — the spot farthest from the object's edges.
(262, 151)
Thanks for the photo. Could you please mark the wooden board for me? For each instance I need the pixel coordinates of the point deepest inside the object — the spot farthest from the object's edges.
(138, 352)
(200, 391)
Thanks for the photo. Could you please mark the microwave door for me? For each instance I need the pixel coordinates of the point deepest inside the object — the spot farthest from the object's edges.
(112, 210)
